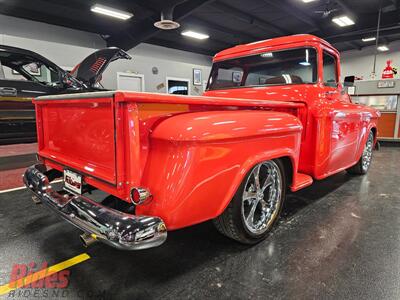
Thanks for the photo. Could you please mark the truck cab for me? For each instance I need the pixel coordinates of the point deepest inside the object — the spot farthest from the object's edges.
(304, 69)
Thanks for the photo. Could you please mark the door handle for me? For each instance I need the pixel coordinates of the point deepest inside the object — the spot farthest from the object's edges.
(331, 93)
(8, 91)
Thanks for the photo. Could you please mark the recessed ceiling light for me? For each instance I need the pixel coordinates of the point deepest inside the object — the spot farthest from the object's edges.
(196, 35)
(369, 39)
(112, 12)
(383, 48)
(307, 1)
(343, 21)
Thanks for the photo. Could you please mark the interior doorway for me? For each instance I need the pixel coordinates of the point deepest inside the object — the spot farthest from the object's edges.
(130, 82)
(178, 86)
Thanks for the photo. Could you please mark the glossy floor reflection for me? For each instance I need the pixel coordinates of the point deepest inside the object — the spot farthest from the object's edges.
(338, 239)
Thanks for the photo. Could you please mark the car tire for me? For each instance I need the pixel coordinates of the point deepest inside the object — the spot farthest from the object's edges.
(255, 207)
(363, 164)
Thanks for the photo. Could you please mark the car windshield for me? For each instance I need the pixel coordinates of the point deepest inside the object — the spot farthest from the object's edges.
(292, 66)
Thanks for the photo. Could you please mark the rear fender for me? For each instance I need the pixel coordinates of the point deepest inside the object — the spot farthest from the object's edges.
(225, 125)
(198, 160)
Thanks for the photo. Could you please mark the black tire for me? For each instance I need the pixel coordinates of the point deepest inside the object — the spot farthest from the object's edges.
(361, 167)
(232, 223)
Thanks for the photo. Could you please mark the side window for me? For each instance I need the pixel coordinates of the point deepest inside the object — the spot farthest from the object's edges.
(7, 73)
(330, 70)
(36, 72)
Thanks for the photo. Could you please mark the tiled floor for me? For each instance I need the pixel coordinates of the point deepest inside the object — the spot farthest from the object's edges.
(337, 239)
(14, 159)
(17, 149)
(11, 179)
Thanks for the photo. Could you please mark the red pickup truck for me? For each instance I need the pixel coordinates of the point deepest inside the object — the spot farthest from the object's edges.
(274, 117)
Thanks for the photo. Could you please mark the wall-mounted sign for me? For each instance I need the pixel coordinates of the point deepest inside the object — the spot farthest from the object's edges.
(32, 69)
(237, 76)
(160, 86)
(382, 84)
(197, 77)
(351, 90)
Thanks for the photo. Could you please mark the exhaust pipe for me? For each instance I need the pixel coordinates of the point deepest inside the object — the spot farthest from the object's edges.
(36, 200)
(87, 239)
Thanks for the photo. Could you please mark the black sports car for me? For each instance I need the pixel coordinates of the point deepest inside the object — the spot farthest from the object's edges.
(25, 74)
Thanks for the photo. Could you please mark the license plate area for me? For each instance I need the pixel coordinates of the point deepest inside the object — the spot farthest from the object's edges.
(72, 182)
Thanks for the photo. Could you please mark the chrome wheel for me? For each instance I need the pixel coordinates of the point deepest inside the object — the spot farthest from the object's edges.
(262, 197)
(367, 153)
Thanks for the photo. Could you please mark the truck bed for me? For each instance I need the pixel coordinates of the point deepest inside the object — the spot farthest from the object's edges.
(105, 135)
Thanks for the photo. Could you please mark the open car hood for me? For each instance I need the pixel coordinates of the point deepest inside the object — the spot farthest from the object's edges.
(89, 71)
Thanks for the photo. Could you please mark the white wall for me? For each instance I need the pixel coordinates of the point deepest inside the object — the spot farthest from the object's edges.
(360, 63)
(44, 32)
(169, 62)
(67, 47)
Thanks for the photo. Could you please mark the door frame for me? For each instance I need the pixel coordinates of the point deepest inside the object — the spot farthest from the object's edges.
(177, 79)
(133, 75)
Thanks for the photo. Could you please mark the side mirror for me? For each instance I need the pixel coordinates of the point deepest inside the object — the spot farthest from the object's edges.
(349, 80)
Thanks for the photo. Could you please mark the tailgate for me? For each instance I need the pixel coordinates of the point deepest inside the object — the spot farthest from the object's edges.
(79, 134)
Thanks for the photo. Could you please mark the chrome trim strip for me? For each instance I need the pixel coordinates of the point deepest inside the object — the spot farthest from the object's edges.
(102, 94)
(115, 228)
(31, 91)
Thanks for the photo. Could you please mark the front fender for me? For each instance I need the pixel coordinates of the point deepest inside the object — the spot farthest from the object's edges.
(198, 160)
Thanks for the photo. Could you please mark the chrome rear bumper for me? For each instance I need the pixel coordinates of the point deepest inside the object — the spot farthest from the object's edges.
(118, 229)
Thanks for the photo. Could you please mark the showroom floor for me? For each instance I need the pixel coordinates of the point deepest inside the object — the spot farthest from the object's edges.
(338, 239)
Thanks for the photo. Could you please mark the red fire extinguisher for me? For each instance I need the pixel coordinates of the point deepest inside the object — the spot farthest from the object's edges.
(388, 72)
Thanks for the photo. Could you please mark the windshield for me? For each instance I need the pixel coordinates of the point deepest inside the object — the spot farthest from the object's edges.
(292, 66)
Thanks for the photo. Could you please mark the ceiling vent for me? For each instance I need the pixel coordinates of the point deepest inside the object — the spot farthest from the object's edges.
(167, 22)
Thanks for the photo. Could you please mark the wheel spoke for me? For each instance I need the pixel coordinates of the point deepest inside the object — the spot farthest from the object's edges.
(267, 182)
(256, 173)
(250, 217)
(249, 195)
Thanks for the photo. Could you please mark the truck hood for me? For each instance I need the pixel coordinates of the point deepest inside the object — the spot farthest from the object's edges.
(89, 71)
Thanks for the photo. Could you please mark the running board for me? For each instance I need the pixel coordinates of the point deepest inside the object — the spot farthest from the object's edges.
(301, 181)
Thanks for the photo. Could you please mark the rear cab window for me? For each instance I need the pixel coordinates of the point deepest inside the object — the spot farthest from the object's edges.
(283, 67)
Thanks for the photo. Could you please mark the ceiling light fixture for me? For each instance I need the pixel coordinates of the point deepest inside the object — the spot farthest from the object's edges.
(343, 21)
(308, 1)
(111, 12)
(195, 35)
(383, 48)
(369, 39)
